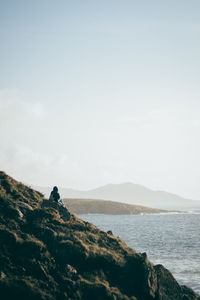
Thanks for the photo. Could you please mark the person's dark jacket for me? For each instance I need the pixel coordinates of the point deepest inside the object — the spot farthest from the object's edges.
(54, 195)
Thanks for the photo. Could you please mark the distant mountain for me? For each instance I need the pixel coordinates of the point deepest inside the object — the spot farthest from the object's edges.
(93, 206)
(129, 193)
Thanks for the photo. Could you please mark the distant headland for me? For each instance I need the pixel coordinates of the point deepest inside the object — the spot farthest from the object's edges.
(93, 206)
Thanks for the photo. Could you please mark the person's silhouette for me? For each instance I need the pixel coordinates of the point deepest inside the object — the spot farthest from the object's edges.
(54, 194)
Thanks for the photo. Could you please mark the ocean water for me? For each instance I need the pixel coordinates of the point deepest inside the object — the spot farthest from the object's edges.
(172, 240)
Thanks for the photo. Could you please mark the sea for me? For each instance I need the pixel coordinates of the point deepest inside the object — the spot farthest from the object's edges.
(171, 239)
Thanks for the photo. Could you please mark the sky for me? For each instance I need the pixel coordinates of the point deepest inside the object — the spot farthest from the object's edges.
(97, 92)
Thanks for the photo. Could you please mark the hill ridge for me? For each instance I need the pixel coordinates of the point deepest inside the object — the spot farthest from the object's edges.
(131, 194)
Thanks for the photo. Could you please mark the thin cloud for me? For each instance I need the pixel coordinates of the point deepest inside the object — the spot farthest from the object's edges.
(141, 119)
(14, 109)
(38, 168)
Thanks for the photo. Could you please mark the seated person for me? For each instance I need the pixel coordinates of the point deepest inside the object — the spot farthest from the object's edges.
(54, 196)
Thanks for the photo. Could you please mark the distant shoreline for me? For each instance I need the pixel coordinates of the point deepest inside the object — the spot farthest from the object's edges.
(145, 214)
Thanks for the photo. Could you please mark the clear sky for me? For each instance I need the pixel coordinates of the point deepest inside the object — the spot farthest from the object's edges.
(96, 92)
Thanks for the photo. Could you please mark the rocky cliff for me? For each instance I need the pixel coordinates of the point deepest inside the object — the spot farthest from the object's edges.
(48, 253)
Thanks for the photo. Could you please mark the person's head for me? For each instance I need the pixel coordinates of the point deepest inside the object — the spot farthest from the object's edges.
(55, 189)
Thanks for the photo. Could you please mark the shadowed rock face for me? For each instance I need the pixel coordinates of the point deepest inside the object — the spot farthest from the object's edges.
(48, 253)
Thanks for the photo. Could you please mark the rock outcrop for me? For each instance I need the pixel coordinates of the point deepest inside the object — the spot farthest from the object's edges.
(47, 253)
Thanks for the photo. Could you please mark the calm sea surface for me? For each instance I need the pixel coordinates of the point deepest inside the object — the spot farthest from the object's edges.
(169, 239)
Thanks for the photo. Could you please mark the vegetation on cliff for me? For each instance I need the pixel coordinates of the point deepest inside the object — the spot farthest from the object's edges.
(48, 253)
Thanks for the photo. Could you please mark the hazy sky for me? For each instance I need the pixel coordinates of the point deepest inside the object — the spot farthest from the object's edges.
(96, 92)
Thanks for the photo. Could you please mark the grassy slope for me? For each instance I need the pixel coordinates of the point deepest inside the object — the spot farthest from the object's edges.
(47, 253)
